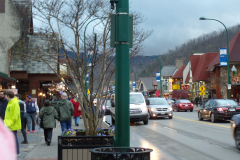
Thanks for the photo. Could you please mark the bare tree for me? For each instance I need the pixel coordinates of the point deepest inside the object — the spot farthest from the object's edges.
(63, 24)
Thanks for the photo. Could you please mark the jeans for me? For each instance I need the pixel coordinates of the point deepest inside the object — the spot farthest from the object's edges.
(31, 116)
(48, 134)
(17, 144)
(23, 121)
(76, 120)
(66, 124)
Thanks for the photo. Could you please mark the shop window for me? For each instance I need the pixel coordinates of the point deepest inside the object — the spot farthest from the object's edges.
(2, 6)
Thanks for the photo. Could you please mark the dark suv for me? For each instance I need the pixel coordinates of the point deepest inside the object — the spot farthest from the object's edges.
(235, 127)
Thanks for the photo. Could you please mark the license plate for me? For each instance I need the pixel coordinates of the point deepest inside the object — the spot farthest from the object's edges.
(232, 109)
(162, 113)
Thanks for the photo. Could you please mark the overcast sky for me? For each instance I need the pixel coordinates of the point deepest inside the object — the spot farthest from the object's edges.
(176, 21)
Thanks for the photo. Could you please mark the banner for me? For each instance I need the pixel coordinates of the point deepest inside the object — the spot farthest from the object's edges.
(176, 86)
(158, 76)
(134, 84)
(223, 56)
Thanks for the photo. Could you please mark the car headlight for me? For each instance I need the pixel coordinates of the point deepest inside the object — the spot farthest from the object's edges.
(170, 109)
(144, 109)
(153, 109)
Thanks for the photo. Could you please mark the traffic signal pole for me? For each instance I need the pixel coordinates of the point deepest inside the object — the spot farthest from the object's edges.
(122, 117)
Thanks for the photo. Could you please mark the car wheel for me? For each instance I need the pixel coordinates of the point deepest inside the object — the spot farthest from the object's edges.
(145, 122)
(113, 121)
(185, 110)
(213, 120)
(200, 116)
(237, 138)
(191, 110)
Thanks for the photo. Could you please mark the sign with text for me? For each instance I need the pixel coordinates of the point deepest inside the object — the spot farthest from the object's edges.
(134, 84)
(185, 87)
(176, 86)
(170, 87)
(158, 76)
(223, 56)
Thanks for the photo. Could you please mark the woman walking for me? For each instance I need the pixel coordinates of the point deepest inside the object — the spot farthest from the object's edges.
(77, 111)
(48, 115)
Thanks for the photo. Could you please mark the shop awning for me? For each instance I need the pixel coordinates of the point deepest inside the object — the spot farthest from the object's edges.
(6, 77)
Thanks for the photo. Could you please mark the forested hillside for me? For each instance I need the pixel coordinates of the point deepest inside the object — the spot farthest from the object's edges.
(206, 43)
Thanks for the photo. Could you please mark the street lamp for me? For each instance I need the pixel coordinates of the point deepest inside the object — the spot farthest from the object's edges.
(160, 76)
(229, 82)
(85, 49)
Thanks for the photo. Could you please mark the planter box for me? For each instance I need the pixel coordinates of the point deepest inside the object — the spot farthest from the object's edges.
(77, 147)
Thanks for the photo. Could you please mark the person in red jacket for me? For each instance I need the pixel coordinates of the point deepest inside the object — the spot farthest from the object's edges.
(77, 111)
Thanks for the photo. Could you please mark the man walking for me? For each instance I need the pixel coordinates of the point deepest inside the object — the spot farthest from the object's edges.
(32, 110)
(196, 101)
(65, 110)
(23, 118)
(12, 116)
(3, 104)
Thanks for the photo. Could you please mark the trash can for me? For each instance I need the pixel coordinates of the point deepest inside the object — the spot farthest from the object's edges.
(120, 153)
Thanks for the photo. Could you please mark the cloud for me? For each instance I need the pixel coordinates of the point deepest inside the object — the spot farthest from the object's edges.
(176, 21)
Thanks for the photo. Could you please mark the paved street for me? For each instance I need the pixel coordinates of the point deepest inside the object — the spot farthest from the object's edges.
(183, 137)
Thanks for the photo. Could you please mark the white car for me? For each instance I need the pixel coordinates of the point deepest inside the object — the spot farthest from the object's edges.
(137, 109)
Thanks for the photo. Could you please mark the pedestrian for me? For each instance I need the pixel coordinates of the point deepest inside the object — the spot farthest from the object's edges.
(77, 111)
(48, 114)
(196, 101)
(12, 116)
(8, 146)
(32, 110)
(214, 96)
(3, 104)
(23, 118)
(65, 110)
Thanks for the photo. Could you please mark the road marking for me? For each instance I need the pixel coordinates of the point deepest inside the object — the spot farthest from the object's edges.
(219, 125)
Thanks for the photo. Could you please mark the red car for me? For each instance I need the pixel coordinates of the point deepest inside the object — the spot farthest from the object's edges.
(182, 104)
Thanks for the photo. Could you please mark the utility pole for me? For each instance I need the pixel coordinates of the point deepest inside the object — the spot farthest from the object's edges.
(121, 39)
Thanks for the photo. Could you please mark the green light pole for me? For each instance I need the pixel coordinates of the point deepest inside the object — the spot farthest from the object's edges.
(85, 54)
(160, 75)
(229, 82)
(120, 38)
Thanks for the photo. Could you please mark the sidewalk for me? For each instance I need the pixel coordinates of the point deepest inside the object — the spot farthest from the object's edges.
(36, 149)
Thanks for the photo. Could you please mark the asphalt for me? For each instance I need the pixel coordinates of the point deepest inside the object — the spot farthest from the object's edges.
(36, 149)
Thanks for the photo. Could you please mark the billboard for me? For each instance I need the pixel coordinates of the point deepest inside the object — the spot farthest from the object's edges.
(223, 56)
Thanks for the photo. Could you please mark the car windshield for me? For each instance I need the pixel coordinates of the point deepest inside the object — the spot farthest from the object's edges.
(158, 101)
(184, 101)
(107, 103)
(136, 98)
(226, 102)
(170, 101)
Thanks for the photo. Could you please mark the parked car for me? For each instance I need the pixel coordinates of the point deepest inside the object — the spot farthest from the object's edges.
(218, 109)
(170, 102)
(137, 108)
(182, 104)
(235, 127)
(159, 107)
(106, 106)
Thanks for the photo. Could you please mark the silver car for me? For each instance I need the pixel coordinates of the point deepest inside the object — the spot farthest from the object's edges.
(159, 107)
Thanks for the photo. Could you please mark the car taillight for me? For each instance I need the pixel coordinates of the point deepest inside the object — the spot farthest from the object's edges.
(221, 109)
(191, 104)
(180, 105)
(237, 108)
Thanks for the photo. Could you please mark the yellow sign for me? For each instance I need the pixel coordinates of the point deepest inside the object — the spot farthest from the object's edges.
(88, 91)
(176, 86)
(202, 93)
(202, 88)
(170, 85)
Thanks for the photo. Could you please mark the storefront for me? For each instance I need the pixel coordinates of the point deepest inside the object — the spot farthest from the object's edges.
(7, 82)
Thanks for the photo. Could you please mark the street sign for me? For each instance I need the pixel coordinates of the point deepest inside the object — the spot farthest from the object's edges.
(134, 84)
(157, 76)
(229, 86)
(223, 56)
(202, 93)
(202, 88)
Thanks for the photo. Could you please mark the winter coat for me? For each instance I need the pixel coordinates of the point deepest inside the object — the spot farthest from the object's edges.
(77, 113)
(65, 110)
(12, 115)
(48, 115)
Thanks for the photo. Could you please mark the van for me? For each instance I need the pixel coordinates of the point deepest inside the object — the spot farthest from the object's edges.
(137, 109)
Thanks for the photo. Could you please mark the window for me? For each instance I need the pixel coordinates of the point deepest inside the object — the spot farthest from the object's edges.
(2, 6)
